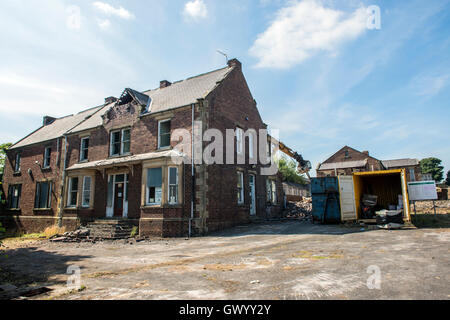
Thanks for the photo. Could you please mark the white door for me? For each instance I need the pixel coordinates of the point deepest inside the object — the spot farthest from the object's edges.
(347, 198)
(252, 195)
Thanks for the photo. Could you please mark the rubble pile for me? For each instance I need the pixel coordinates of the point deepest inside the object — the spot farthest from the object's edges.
(301, 210)
(442, 206)
(73, 236)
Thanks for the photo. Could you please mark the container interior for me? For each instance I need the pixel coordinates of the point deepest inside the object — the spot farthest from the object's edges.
(387, 187)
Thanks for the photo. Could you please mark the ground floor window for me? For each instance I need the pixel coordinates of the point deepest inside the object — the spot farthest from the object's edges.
(173, 185)
(271, 188)
(73, 192)
(14, 196)
(240, 187)
(86, 195)
(154, 186)
(43, 195)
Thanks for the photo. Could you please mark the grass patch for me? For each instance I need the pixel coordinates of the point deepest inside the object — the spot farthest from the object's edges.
(431, 220)
(134, 232)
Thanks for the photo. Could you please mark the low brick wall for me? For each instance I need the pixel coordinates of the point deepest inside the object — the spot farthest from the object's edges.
(36, 224)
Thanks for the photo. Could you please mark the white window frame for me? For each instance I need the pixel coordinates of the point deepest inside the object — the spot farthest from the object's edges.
(47, 156)
(239, 142)
(273, 190)
(71, 191)
(82, 149)
(122, 141)
(147, 190)
(169, 185)
(83, 192)
(241, 180)
(250, 146)
(111, 154)
(159, 133)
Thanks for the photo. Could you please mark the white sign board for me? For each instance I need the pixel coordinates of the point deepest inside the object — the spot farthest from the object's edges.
(422, 190)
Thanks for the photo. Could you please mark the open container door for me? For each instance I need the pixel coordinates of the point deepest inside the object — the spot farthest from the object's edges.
(406, 209)
(347, 198)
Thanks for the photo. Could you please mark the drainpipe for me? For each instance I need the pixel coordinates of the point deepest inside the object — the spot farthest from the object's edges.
(63, 179)
(192, 173)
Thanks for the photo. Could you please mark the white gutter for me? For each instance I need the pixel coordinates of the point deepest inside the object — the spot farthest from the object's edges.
(192, 173)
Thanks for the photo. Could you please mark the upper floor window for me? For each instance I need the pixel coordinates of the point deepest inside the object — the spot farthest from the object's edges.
(14, 192)
(250, 146)
(43, 197)
(17, 162)
(120, 142)
(164, 134)
(84, 149)
(347, 154)
(240, 187)
(239, 140)
(47, 157)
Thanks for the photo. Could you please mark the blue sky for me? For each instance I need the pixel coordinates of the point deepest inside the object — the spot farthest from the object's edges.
(317, 72)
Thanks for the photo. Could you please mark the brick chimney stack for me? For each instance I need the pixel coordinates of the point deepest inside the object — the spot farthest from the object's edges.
(234, 63)
(110, 100)
(366, 152)
(47, 120)
(164, 84)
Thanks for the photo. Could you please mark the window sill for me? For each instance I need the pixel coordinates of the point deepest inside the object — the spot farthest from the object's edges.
(150, 206)
(164, 148)
(71, 208)
(83, 161)
(13, 209)
(114, 156)
(42, 209)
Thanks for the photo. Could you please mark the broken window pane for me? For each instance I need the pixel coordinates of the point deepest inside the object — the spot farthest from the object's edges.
(115, 143)
(154, 186)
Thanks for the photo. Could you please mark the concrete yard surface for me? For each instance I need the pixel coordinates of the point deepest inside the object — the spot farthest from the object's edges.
(280, 260)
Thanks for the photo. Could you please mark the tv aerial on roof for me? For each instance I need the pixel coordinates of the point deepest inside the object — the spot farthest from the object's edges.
(224, 54)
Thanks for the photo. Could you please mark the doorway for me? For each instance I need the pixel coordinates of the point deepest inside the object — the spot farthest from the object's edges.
(117, 199)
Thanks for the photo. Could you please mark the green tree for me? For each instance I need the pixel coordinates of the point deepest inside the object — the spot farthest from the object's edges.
(433, 166)
(288, 169)
(447, 181)
(3, 148)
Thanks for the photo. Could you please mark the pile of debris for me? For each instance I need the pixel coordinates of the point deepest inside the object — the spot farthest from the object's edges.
(81, 234)
(301, 210)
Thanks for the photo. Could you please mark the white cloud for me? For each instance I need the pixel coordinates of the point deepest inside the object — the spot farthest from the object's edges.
(109, 10)
(195, 9)
(104, 24)
(429, 85)
(303, 29)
